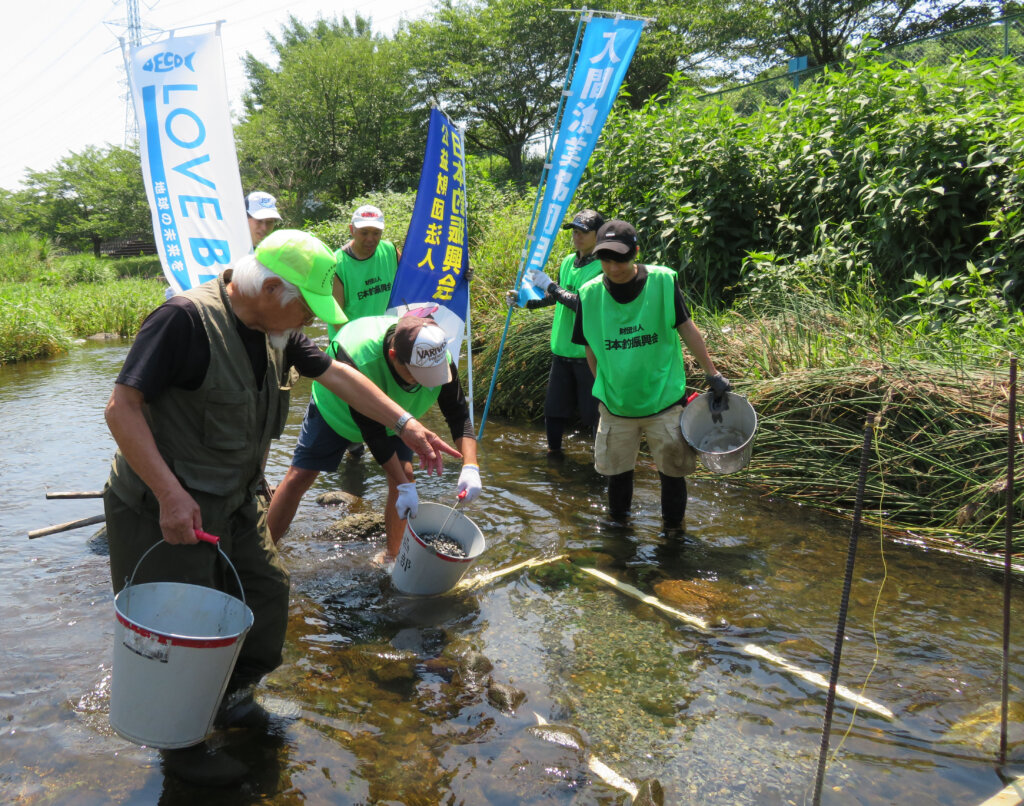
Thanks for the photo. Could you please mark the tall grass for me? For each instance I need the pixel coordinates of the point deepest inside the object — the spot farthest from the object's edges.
(40, 320)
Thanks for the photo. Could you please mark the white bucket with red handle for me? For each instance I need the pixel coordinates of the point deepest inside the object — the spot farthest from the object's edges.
(422, 569)
(175, 646)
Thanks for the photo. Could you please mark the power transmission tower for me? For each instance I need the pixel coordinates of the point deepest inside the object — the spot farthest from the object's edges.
(130, 37)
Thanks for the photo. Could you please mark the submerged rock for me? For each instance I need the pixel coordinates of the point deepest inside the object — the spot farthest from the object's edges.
(650, 793)
(358, 526)
(981, 729)
(338, 497)
(504, 697)
(383, 662)
(564, 736)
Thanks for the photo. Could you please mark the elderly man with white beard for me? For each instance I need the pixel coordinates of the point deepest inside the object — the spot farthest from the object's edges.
(203, 391)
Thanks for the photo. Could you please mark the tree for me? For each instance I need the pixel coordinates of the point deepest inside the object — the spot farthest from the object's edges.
(335, 119)
(86, 198)
(498, 66)
(822, 29)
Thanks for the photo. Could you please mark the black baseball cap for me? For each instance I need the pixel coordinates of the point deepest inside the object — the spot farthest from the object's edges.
(616, 236)
(585, 221)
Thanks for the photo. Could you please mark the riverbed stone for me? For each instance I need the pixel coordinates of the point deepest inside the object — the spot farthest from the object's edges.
(338, 498)
(650, 793)
(981, 728)
(697, 596)
(357, 526)
(504, 697)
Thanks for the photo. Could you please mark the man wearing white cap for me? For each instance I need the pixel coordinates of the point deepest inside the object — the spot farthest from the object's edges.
(203, 391)
(408, 358)
(261, 213)
(366, 267)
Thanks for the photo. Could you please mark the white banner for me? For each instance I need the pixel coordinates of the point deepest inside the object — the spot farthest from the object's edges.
(188, 157)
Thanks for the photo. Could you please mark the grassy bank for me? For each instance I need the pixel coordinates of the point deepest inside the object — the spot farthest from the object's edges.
(48, 299)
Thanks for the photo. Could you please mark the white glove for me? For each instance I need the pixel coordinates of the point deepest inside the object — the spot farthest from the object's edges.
(408, 503)
(512, 298)
(469, 482)
(538, 279)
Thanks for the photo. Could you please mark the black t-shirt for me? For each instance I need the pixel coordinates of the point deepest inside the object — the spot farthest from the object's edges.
(451, 401)
(173, 350)
(627, 292)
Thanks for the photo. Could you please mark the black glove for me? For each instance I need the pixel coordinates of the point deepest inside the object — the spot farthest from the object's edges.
(719, 386)
(468, 274)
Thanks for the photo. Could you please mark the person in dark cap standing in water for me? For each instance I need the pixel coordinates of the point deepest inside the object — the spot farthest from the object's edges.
(630, 321)
(570, 381)
(408, 358)
(203, 391)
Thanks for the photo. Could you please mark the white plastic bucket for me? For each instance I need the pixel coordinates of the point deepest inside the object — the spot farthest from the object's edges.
(420, 568)
(175, 646)
(723, 439)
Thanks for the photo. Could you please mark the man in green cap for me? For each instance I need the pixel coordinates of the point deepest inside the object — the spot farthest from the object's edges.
(203, 391)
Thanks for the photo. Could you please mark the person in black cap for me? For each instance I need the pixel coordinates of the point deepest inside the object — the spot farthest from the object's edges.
(630, 320)
(570, 381)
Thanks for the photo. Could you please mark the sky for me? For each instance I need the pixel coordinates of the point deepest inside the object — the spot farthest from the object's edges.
(66, 88)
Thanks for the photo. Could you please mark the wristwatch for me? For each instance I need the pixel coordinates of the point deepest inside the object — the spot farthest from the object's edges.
(402, 422)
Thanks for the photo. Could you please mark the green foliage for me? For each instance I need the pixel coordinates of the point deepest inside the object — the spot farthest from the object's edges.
(334, 119)
(22, 254)
(86, 198)
(499, 65)
(885, 169)
(39, 320)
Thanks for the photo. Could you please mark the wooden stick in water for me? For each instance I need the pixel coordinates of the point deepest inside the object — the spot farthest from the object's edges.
(64, 527)
(90, 494)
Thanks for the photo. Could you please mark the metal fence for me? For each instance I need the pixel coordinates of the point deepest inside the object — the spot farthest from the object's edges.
(1000, 38)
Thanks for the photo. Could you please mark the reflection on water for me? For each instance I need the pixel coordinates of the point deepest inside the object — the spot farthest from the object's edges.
(420, 701)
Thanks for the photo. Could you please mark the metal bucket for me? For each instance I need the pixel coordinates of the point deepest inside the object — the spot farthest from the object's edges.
(175, 646)
(723, 439)
(420, 568)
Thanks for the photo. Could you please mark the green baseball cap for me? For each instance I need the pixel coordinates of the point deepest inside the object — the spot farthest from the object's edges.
(304, 260)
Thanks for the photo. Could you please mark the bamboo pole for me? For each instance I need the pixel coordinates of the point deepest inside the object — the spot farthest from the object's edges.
(64, 527)
(88, 494)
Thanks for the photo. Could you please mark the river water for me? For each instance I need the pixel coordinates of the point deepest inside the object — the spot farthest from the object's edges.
(398, 700)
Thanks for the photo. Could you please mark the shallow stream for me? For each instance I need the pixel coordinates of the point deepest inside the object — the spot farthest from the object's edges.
(407, 700)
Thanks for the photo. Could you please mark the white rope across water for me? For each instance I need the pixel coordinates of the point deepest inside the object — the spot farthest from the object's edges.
(1013, 795)
(602, 770)
(694, 621)
(750, 649)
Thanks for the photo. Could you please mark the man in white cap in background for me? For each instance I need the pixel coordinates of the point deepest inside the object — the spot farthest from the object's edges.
(261, 213)
(408, 359)
(366, 267)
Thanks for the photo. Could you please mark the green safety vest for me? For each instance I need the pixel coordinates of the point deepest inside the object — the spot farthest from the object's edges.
(367, 282)
(363, 340)
(639, 357)
(214, 438)
(572, 279)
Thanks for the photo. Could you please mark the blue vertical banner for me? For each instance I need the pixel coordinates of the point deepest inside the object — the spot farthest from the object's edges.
(188, 157)
(605, 53)
(435, 256)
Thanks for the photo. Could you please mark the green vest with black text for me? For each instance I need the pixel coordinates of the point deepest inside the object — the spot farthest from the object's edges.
(639, 356)
(363, 340)
(367, 282)
(572, 279)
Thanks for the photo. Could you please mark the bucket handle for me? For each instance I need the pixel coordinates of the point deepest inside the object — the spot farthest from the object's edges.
(206, 537)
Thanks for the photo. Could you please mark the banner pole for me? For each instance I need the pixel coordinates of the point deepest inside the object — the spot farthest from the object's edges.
(574, 57)
(469, 304)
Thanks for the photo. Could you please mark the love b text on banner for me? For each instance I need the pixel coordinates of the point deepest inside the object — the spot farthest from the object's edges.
(188, 157)
(435, 255)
